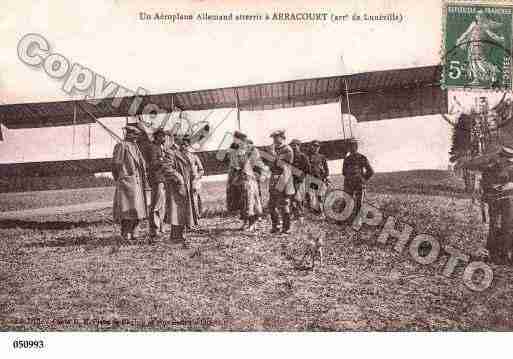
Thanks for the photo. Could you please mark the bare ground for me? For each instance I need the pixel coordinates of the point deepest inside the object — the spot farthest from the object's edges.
(69, 272)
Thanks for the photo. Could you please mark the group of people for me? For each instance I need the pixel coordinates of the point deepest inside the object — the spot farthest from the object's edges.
(283, 166)
(295, 179)
(158, 180)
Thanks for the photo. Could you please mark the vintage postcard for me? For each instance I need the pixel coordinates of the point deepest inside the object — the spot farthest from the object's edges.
(260, 166)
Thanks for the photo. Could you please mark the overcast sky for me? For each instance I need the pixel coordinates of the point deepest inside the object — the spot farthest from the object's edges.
(160, 56)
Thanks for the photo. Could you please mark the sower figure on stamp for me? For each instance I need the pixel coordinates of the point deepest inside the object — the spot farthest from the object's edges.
(281, 186)
(181, 213)
(157, 181)
(301, 166)
(319, 170)
(357, 171)
(129, 172)
(473, 41)
(197, 173)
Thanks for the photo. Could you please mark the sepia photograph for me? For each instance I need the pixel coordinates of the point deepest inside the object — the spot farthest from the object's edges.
(255, 166)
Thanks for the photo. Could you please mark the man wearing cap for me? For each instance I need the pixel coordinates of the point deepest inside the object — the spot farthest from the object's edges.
(318, 169)
(233, 187)
(129, 172)
(281, 186)
(301, 167)
(197, 173)
(497, 187)
(157, 181)
(251, 205)
(144, 143)
(357, 171)
(259, 168)
(181, 212)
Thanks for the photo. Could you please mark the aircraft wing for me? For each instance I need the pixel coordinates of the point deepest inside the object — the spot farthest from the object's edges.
(373, 96)
(211, 160)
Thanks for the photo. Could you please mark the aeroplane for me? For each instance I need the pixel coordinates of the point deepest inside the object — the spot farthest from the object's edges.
(369, 96)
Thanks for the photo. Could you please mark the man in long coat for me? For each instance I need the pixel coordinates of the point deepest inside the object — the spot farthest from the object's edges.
(129, 172)
(197, 173)
(181, 213)
(497, 184)
(357, 171)
(281, 186)
(319, 170)
(302, 164)
(157, 181)
(233, 187)
(251, 204)
(261, 171)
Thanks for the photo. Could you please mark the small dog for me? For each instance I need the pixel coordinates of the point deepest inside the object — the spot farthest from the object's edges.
(314, 248)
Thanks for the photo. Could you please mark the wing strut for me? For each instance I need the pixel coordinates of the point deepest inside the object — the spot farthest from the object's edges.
(237, 104)
(108, 130)
(224, 118)
(164, 121)
(89, 141)
(74, 129)
(348, 108)
(342, 117)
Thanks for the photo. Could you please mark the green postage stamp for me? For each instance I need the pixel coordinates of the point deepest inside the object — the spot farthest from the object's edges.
(477, 46)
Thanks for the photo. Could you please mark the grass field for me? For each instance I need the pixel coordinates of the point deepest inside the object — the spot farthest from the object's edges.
(37, 199)
(432, 182)
(67, 272)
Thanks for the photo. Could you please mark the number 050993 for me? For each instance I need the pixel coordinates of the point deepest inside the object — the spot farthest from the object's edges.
(28, 344)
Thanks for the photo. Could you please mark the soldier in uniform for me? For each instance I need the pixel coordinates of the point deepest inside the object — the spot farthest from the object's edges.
(251, 205)
(180, 206)
(233, 188)
(261, 170)
(129, 172)
(281, 186)
(196, 174)
(157, 182)
(357, 171)
(318, 169)
(301, 166)
(497, 187)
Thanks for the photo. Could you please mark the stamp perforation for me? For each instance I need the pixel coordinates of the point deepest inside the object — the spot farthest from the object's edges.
(507, 48)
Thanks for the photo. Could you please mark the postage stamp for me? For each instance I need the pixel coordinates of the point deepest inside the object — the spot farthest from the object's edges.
(477, 46)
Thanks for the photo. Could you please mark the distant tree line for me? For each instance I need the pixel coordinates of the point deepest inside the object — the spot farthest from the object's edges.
(25, 184)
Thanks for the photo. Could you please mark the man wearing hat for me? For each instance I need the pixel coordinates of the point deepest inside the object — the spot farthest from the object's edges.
(318, 169)
(233, 187)
(181, 213)
(129, 172)
(251, 205)
(157, 182)
(281, 186)
(301, 166)
(260, 169)
(357, 171)
(197, 173)
(497, 192)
